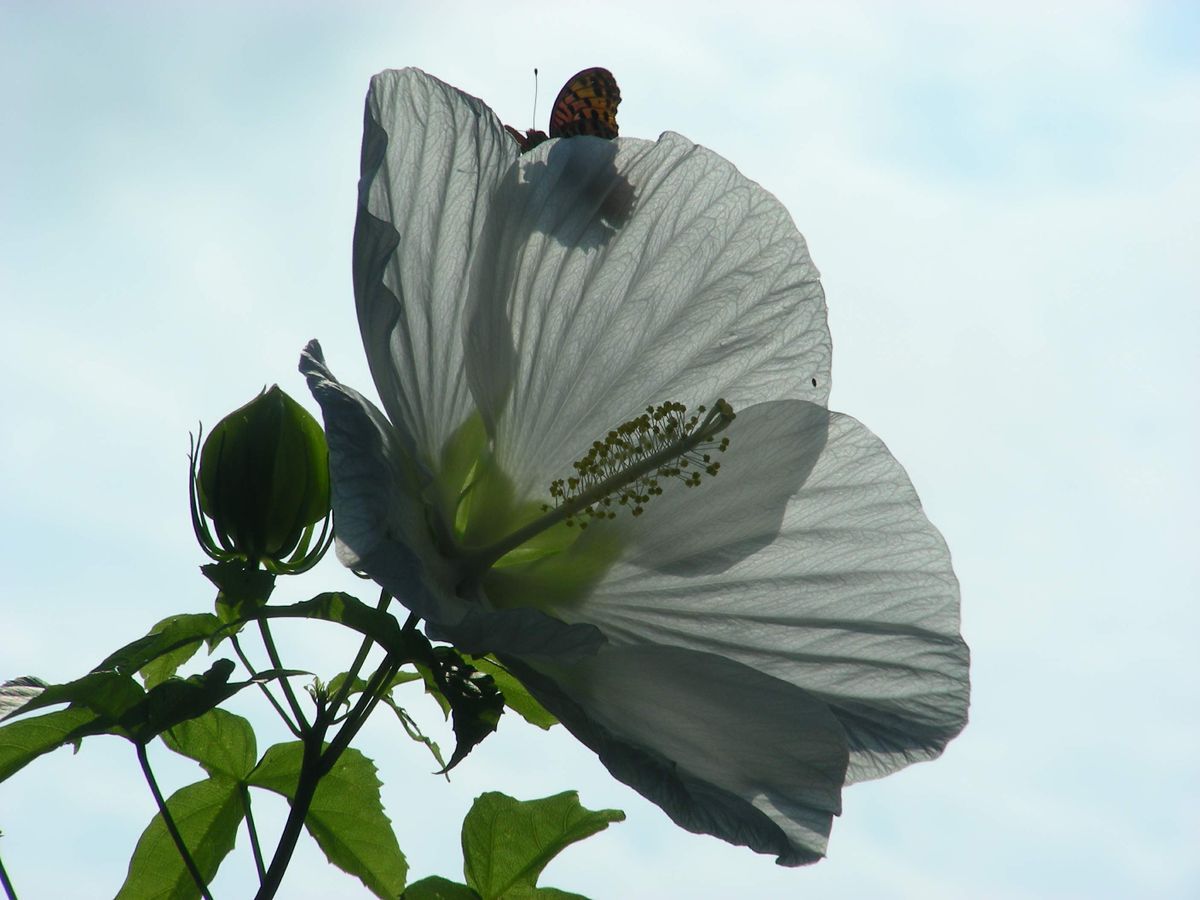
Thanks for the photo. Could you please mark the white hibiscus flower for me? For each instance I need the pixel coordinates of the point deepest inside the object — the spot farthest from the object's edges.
(742, 649)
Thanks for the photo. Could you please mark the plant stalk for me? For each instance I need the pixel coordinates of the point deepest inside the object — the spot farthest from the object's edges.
(170, 823)
(9, 891)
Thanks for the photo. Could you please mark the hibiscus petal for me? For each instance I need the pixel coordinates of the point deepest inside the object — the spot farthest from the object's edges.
(723, 749)
(382, 531)
(432, 159)
(373, 488)
(616, 274)
(840, 585)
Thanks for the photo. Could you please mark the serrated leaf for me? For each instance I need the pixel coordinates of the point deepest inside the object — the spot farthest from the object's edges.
(179, 699)
(178, 639)
(475, 702)
(346, 817)
(437, 888)
(114, 703)
(23, 741)
(223, 743)
(432, 689)
(344, 609)
(414, 732)
(239, 590)
(167, 646)
(108, 694)
(516, 696)
(403, 677)
(335, 685)
(507, 842)
(207, 815)
(359, 684)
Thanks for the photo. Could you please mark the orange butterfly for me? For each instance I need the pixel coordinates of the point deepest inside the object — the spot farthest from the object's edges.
(587, 104)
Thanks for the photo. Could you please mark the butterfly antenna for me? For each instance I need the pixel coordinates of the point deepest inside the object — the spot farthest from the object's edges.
(533, 122)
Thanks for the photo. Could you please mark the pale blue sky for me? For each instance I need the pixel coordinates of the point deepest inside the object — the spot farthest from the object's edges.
(1003, 204)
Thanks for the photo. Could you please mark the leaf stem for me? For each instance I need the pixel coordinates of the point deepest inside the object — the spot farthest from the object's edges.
(9, 891)
(367, 702)
(170, 823)
(273, 655)
(306, 788)
(255, 848)
(318, 760)
(264, 687)
(364, 648)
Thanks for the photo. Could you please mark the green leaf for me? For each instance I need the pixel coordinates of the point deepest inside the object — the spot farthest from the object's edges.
(220, 741)
(432, 689)
(507, 843)
(179, 699)
(240, 590)
(414, 732)
(346, 817)
(475, 703)
(516, 696)
(170, 644)
(207, 815)
(24, 741)
(108, 694)
(437, 888)
(114, 703)
(357, 686)
(179, 637)
(343, 609)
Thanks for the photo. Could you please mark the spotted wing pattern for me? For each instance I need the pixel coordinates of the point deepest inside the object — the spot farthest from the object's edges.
(587, 104)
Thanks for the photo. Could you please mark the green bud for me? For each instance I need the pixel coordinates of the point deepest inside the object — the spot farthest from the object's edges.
(263, 484)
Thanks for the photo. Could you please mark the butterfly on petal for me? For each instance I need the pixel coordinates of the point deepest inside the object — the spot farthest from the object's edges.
(587, 104)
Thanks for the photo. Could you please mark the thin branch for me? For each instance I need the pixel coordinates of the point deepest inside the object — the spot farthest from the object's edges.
(264, 687)
(273, 655)
(170, 823)
(253, 832)
(318, 760)
(9, 891)
(306, 788)
(367, 702)
(344, 692)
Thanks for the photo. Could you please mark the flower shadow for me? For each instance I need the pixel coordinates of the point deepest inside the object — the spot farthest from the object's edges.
(549, 227)
(577, 197)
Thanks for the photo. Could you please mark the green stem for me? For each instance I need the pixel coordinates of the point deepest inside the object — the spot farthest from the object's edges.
(9, 891)
(170, 823)
(367, 702)
(273, 655)
(237, 648)
(255, 848)
(364, 648)
(306, 789)
(318, 760)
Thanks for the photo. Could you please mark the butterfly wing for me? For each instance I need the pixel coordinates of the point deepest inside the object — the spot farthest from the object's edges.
(587, 104)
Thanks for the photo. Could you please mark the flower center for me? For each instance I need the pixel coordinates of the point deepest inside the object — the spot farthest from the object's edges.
(625, 469)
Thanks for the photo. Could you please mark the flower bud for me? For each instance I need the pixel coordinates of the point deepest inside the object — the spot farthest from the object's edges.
(263, 484)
